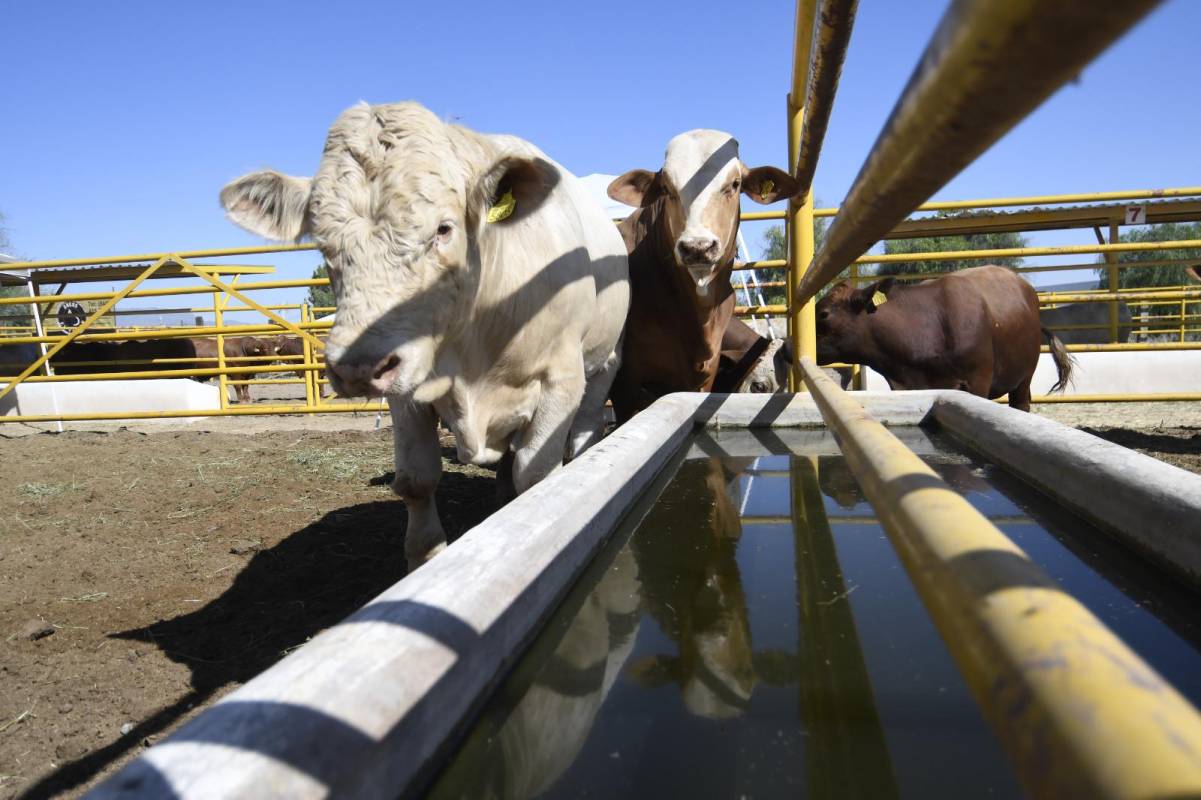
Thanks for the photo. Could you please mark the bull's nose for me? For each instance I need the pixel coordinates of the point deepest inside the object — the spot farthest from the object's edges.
(696, 249)
(365, 378)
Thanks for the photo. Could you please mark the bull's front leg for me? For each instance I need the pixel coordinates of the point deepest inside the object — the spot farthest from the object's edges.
(418, 459)
(544, 439)
(588, 426)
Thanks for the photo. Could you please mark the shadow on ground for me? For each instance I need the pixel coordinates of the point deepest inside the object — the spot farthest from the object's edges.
(1147, 440)
(284, 595)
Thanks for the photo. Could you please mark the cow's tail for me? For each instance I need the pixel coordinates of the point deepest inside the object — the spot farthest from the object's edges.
(1063, 361)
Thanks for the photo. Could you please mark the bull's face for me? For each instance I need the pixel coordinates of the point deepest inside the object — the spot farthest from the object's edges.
(397, 208)
(257, 346)
(842, 317)
(699, 188)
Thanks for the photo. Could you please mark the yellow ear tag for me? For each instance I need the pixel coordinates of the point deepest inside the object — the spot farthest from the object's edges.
(766, 187)
(879, 298)
(503, 208)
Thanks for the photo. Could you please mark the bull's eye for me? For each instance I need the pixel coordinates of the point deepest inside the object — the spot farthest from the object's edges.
(735, 185)
(444, 230)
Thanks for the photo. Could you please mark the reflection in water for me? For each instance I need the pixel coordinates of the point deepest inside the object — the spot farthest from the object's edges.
(750, 632)
(685, 549)
(847, 755)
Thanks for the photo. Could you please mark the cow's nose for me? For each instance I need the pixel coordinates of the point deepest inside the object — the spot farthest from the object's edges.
(365, 378)
(697, 249)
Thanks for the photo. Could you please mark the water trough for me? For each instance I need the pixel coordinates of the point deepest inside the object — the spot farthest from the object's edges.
(374, 706)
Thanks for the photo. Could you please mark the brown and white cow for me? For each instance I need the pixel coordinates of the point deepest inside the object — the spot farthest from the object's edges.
(977, 330)
(682, 242)
(475, 280)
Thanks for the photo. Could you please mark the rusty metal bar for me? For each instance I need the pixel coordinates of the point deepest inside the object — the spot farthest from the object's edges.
(988, 65)
(835, 19)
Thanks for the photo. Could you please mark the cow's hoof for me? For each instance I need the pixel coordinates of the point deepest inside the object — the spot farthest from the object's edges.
(416, 561)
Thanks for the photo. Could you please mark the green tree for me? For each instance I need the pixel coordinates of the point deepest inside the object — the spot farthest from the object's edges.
(939, 244)
(321, 295)
(1151, 277)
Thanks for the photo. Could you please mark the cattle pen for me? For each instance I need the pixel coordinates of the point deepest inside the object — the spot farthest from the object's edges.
(422, 689)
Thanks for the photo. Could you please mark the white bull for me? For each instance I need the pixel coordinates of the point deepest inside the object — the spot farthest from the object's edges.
(475, 280)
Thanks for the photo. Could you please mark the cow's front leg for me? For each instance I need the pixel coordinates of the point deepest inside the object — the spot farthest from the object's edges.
(588, 426)
(542, 443)
(418, 458)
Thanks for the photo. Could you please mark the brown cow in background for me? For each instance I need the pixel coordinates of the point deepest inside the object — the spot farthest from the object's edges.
(289, 345)
(236, 349)
(681, 242)
(976, 330)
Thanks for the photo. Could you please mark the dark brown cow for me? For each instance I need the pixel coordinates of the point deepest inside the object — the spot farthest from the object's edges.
(236, 349)
(681, 242)
(286, 345)
(976, 330)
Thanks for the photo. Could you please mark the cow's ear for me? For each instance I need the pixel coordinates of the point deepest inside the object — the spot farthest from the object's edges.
(512, 187)
(634, 188)
(875, 295)
(768, 184)
(269, 204)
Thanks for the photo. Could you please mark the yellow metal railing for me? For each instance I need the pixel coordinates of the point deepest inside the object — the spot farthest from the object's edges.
(1101, 723)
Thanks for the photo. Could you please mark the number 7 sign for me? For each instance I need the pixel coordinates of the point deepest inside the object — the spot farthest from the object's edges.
(1136, 215)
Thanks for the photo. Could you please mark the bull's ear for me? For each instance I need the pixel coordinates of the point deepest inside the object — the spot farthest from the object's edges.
(513, 186)
(634, 188)
(768, 184)
(269, 203)
(875, 295)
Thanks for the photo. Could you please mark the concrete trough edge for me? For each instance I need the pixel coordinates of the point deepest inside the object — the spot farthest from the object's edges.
(1152, 507)
(364, 708)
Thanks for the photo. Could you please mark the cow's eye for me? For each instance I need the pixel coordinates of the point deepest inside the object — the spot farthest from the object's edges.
(735, 185)
(444, 230)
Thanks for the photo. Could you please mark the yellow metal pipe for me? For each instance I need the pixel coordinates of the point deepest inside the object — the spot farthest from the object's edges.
(1010, 202)
(1011, 252)
(1165, 397)
(169, 292)
(48, 353)
(1128, 347)
(835, 19)
(238, 411)
(1111, 272)
(185, 254)
(989, 64)
(1128, 295)
(266, 312)
(170, 333)
(1079, 713)
(203, 372)
(799, 224)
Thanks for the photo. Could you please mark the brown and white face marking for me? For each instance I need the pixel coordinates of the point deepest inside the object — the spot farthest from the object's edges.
(700, 185)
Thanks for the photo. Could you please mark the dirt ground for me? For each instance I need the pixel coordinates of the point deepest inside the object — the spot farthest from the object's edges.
(143, 575)
(146, 570)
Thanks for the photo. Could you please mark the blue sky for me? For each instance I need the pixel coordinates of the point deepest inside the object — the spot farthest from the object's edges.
(123, 120)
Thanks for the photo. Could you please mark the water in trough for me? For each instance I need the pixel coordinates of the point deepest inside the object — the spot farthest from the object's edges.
(750, 633)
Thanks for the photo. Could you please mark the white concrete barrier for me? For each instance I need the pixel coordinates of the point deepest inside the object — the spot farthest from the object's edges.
(94, 397)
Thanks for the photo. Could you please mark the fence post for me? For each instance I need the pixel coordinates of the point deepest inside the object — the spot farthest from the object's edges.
(801, 321)
(219, 300)
(1112, 269)
(312, 388)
